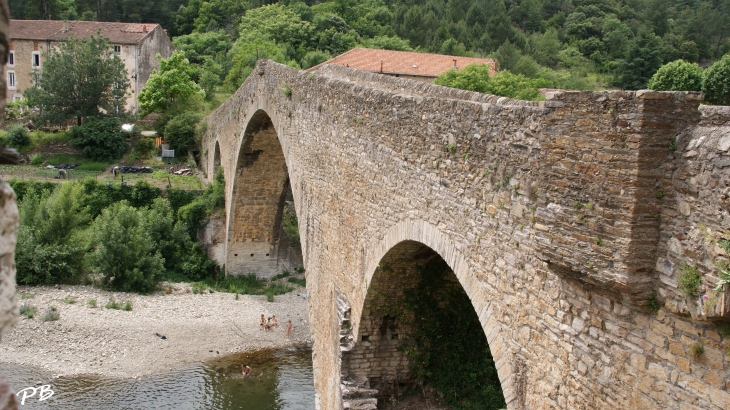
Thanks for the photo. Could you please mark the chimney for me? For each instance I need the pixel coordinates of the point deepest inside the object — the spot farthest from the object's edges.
(66, 26)
(144, 28)
(381, 66)
(455, 65)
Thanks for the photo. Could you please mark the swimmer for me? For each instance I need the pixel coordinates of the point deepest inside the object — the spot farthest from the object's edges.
(245, 370)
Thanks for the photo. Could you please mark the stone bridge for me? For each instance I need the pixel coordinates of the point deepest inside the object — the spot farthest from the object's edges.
(564, 221)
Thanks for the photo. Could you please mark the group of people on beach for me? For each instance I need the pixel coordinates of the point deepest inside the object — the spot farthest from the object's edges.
(266, 324)
(271, 322)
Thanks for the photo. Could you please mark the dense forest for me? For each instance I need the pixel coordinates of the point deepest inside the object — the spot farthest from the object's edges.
(580, 44)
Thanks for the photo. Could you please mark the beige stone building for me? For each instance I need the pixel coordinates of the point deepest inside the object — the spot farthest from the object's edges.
(404, 64)
(136, 44)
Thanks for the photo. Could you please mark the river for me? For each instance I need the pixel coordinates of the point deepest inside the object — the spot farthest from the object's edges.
(280, 380)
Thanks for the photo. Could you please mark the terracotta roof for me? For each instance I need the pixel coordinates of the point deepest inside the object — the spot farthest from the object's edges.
(124, 33)
(403, 62)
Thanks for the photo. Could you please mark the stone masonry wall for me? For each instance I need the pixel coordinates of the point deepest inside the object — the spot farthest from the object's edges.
(492, 186)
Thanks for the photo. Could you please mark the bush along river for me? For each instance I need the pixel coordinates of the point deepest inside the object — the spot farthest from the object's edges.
(280, 380)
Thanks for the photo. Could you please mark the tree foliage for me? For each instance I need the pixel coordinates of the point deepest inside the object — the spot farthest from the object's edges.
(170, 89)
(100, 139)
(716, 83)
(125, 253)
(476, 77)
(180, 131)
(678, 75)
(83, 78)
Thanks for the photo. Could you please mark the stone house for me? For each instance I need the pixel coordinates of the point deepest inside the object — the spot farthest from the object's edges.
(405, 64)
(136, 44)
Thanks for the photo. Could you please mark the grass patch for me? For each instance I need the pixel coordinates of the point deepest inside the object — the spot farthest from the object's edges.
(298, 281)
(282, 275)
(38, 138)
(244, 285)
(91, 303)
(113, 304)
(58, 159)
(27, 296)
(52, 314)
(28, 310)
(69, 300)
(697, 350)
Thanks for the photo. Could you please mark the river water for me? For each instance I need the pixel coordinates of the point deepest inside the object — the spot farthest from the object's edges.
(280, 380)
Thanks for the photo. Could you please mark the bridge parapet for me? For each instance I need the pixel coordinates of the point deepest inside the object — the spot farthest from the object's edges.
(604, 155)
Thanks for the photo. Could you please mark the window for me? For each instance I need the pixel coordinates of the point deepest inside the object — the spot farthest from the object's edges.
(11, 58)
(11, 80)
(117, 49)
(36, 59)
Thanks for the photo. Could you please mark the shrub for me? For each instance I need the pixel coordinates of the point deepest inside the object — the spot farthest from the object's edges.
(125, 253)
(180, 132)
(113, 304)
(91, 303)
(100, 139)
(36, 159)
(127, 306)
(28, 310)
(52, 314)
(678, 75)
(716, 82)
(144, 148)
(18, 136)
(689, 280)
(46, 252)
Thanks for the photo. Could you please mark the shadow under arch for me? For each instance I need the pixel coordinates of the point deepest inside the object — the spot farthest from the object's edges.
(216, 158)
(261, 199)
(407, 249)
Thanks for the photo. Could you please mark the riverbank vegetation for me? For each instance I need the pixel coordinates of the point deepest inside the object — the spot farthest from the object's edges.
(119, 236)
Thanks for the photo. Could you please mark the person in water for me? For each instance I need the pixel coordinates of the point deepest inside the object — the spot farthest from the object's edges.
(245, 370)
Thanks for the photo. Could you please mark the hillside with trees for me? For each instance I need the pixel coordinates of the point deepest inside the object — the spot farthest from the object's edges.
(580, 44)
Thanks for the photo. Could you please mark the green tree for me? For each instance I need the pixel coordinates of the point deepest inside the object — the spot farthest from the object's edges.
(641, 62)
(474, 77)
(100, 138)
(50, 243)
(81, 79)
(125, 253)
(18, 136)
(170, 89)
(313, 58)
(678, 75)
(180, 131)
(716, 82)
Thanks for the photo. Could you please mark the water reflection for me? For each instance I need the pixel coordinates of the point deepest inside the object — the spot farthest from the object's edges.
(280, 380)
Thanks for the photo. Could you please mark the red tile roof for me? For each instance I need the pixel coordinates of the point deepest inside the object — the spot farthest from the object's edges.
(404, 62)
(124, 33)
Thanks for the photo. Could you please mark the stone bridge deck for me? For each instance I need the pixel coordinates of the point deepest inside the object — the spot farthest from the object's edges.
(560, 219)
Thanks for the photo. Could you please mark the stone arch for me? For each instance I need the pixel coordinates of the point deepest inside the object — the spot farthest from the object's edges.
(261, 196)
(414, 236)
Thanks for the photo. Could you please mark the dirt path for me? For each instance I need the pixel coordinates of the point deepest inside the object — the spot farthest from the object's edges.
(87, 340)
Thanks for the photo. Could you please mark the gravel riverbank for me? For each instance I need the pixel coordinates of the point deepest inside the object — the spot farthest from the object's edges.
(119, 343)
